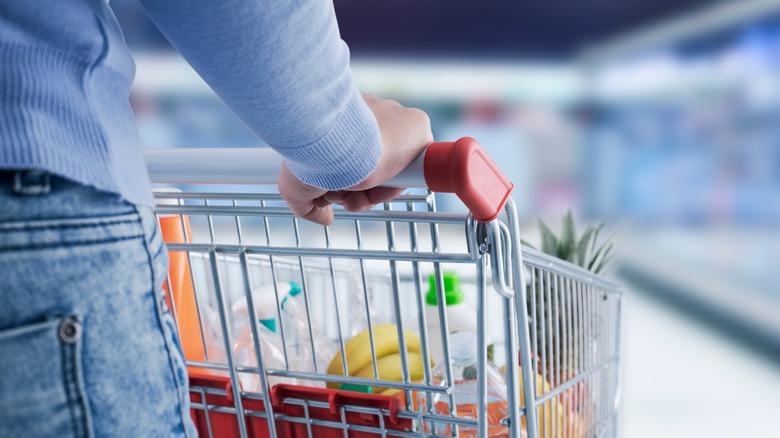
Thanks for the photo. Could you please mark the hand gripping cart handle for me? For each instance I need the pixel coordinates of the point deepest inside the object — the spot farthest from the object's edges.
(461, 167)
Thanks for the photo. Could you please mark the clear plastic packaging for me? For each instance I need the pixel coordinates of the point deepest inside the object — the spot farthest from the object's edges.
(244, 351)
(288, 334)
(299, 339)
(464, 365)
(273, 357)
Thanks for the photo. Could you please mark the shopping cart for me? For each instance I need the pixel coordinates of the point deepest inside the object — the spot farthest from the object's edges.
(554, 325)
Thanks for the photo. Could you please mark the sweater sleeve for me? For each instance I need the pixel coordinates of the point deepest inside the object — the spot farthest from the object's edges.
(282, 67)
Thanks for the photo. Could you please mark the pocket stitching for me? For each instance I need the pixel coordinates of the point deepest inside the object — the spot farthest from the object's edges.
(67, 226)
(69, 244)
(75, 218)
(74, 388)
(26, 328)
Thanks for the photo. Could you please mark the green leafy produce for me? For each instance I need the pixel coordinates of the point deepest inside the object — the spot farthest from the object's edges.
(586, 250)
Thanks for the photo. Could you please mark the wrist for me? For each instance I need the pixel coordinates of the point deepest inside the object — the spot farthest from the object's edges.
(346, 155)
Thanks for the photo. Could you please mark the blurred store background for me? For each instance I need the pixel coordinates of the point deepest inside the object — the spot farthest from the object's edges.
(661, 116)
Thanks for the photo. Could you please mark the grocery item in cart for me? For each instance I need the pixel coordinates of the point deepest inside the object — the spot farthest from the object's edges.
(299, 339)
(359, 306)
(270, 340)
(179, 291)
(273, 357)
(295, 333)
(265, 302)
(461, 317)
(463, 350)
(386, 349)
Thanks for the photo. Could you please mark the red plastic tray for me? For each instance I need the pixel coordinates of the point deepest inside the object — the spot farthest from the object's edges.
(226, 425)
(336, 400)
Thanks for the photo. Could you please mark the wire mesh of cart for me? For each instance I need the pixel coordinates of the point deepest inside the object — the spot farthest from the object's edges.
(354, 358)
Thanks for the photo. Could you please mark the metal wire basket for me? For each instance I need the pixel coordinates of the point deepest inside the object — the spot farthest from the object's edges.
(553, 325)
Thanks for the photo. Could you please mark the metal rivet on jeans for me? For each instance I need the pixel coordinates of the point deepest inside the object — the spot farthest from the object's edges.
(69, 331)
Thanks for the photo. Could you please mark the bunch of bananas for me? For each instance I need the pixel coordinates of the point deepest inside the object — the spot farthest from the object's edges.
(388, 357)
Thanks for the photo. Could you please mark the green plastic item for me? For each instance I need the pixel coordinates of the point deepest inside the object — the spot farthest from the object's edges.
(295, 288)
(356, 388)
(269, 323)
(453, 294)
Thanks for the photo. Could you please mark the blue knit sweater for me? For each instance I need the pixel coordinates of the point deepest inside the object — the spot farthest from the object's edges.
(65, 76)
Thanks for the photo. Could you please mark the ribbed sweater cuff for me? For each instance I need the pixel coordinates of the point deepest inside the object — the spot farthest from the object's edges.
(345, 156)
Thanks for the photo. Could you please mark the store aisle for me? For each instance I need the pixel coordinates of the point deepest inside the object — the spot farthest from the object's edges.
(681, 379)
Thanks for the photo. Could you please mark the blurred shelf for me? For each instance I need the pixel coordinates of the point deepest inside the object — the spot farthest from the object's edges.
(168, 73)
(731, 301)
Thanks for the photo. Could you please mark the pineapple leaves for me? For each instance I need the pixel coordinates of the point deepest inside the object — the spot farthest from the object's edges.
(582, 247)
(596, 232)
(567, 246)
(604, 262)
(597, 263)
(585, 251)
(549, 241)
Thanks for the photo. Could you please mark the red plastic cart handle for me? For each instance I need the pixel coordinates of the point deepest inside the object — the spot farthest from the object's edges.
(464, 168)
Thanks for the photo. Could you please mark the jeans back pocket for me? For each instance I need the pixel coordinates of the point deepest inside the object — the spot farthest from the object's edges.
(41, 384)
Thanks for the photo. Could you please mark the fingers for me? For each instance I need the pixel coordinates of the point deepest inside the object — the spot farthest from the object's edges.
(378, 195)
(357, 201)
(336, 197)
(315, 205)
(321, 202)
(320, 215)
(305, 201)
(366, 199)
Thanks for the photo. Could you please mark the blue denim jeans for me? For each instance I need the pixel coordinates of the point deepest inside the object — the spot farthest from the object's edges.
(87, 345)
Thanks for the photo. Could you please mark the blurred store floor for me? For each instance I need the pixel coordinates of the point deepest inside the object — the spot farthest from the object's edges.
(682, 379)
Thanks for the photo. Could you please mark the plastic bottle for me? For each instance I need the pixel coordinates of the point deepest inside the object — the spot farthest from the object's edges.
(460, 316)
(297, 337)
(265, 302)
(466, 393)
(270, 341)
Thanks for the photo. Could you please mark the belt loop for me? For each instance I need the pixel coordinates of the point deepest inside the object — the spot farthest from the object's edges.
(32, 182)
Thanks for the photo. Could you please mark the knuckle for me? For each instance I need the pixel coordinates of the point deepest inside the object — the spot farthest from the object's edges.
(424, 122)
(298, 211)
(425, 119)
(421, 117)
